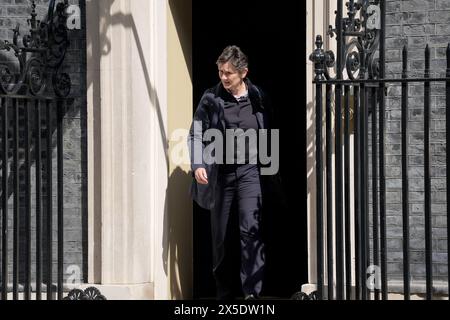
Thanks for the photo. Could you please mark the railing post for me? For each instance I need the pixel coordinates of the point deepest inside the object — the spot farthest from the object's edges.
(381, 99)
(447, 125)
(5, 151)
(363, 214)
(318, 58)
(38, 201)
(329, 180)
(27, 287)
(375, 185)
(60, 156)
(348, 253)
(357, 186)
(338, 158)
(405, 179)
(427, 182)
(16, 241)
(319, 185)
(49, 202)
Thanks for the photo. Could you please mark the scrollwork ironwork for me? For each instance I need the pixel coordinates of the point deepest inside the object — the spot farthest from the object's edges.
(304, 296)
(360, 38)
(41, 55)
(90, 293)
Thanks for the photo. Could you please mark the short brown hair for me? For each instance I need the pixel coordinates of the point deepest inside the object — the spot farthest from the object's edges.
(235, 56)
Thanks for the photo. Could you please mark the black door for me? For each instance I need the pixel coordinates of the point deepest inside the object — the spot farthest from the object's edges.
(273, 37)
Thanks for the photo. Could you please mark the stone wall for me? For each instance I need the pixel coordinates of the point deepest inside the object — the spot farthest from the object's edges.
(416, 23)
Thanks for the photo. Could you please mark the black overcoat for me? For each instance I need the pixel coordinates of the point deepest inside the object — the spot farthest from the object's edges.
(210, 112)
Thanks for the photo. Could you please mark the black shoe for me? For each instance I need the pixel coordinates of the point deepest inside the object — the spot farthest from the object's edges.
(250, 297)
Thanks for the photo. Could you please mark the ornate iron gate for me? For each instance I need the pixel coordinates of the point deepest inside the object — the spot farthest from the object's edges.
(33, 100)
(360, 78)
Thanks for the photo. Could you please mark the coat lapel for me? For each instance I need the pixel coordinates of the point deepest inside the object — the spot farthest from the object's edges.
(260, 118)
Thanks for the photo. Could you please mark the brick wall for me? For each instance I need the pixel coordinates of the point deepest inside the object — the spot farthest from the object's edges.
(75, 142)
(416, 23)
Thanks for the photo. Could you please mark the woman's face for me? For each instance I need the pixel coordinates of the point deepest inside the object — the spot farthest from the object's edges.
(231, 78)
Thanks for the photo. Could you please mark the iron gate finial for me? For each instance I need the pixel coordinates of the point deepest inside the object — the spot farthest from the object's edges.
(322, 59)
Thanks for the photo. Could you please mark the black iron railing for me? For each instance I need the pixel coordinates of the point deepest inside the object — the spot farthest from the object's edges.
(360, 59)
(20, 150)
(34, 96)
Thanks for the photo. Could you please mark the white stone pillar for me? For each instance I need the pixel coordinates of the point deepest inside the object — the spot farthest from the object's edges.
(128, 122)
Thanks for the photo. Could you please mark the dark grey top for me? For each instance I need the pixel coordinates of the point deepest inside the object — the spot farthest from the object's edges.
(239, 114)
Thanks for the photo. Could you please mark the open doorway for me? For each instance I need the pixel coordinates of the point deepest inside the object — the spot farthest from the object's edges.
(272, 35)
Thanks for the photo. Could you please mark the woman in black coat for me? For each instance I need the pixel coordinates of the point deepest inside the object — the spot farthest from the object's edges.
(234, 176)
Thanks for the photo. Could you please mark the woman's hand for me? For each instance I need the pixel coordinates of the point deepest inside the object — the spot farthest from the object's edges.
(201, 176)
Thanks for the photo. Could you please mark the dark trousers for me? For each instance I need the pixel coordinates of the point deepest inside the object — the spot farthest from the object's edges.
(240, 184)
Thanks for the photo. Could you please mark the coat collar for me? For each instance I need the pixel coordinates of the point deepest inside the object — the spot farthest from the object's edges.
(254, 92)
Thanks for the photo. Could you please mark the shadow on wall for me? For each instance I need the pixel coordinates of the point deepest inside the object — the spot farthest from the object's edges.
(311, 174)
(177, 230)
(182, 15)
(178, 218)
(177, 255)
(127, 21)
